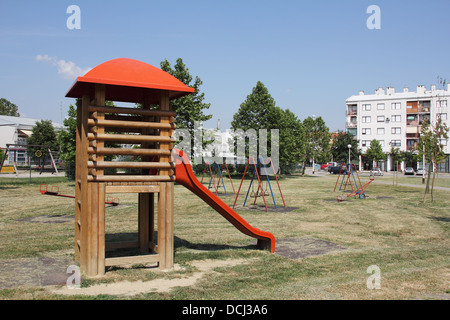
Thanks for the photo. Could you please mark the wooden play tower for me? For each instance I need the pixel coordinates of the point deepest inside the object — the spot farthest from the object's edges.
(144, 133)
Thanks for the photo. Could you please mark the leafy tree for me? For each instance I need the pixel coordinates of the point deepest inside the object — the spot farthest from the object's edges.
(43, 133)
(431, 138)
(317, 140)
(375, 151)
(259, 111)
(339, 147)
(8, 108)
(189, 108)
(67, 140)
(292, 144)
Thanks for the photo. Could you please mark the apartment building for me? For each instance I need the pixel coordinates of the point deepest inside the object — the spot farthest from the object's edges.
(395, 118)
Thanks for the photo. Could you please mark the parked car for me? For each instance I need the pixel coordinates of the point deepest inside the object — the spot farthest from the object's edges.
(337, 169)
(376, 172)
(409, 170)
(421, 171)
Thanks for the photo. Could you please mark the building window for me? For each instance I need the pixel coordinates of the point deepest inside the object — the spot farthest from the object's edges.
(365, 119)
(380, 119)
(380, 131)
(366, 107)
(381, 143)
(396, 106)
(396, 143)
(380, 106)
(444, 142)
(365, 143)
(366, 131)
(396, 130)
(442, 116)
(397, 118)
(441, 103)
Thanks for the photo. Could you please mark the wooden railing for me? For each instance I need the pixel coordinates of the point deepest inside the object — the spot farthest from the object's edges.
(151, 129)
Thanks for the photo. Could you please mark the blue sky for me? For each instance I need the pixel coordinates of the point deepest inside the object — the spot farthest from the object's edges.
(311, 55)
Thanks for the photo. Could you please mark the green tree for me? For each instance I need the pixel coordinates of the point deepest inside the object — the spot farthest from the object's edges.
(189, 108)
(67, 141)
(43, 134)
(8, 108)
(291, 137)
(375, 151)
(431, 137)
(317, 140)
(339, 147)
(259, 112)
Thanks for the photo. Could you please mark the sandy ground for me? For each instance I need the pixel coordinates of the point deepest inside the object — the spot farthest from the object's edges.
(127, 288)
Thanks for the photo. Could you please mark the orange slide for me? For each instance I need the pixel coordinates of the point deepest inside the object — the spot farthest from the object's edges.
(185, 176)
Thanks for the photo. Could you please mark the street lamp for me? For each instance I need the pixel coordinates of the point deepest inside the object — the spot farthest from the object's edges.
(349, 147)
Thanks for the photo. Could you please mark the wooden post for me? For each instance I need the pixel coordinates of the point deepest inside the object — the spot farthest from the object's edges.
(83, 181)
(78, 182)
(165, 203)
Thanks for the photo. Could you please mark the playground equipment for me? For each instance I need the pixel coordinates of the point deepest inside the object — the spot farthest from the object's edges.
(358, 192)
(128, 80)
(261, 190)
(185, 176)
(350, 171)
(220, 171)
(357, 189)
(54, 191)
(13, 148)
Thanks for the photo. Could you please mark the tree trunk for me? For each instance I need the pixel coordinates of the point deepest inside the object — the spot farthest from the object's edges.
(304, 168)
(427, 187)
(432, 183)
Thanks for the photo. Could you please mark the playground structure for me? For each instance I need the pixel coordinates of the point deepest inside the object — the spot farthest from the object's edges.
(357, 189)
(23, 147)
(262, 191)
(149, 130)
(220, 178)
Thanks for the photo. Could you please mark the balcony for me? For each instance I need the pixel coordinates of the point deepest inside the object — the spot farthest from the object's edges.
(351, 125)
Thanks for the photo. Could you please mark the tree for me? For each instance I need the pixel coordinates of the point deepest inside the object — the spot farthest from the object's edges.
(67, 141)
(375, 151)
(431, 138)
(259, 112)
(339, 147)
(43, 133)
(8, 108)
(317, 140)
(291, 137)
(189, 108)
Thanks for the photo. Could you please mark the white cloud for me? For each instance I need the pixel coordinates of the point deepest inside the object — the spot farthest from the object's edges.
(67, 69)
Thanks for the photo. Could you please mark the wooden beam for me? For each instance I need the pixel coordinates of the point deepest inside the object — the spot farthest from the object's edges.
(146, 259)
(135, 111)
(131, 124)
(131, 164)
(133, 189)
(131, 152)
(127, 178)
(128, 138)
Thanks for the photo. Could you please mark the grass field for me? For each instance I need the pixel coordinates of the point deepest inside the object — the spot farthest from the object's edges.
(335, 241)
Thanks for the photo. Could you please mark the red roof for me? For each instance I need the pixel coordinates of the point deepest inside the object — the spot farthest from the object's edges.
(126, 80)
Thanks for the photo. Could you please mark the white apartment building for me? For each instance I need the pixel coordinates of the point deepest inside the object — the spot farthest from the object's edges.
(395, 118)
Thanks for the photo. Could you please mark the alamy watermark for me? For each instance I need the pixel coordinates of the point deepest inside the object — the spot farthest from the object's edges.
(232, 146)
(74, 20)
(374, 280)
(374, 20)
(74, 280)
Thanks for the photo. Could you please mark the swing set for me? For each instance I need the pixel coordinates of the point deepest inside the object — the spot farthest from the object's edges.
(263, 187)
(220, 179)
(346, 170)
(357, 190)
